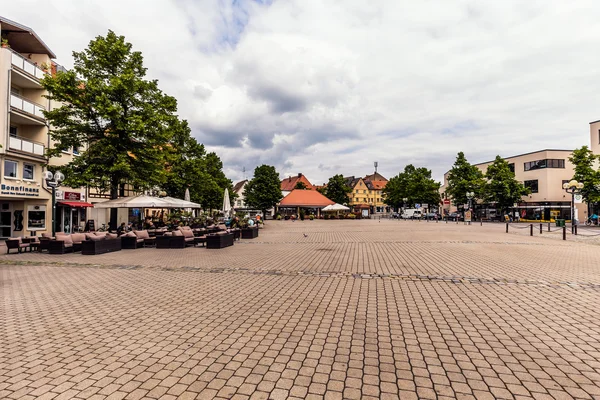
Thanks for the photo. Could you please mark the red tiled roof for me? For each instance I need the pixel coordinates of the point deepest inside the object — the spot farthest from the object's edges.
(288, 184)
(378, 185)
(305, 198)
(375, 177)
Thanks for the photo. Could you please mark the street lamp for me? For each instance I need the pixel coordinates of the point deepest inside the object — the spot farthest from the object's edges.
(470, 195)
(53, 180)
(573, 187)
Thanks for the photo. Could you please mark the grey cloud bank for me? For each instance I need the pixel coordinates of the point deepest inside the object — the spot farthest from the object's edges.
(323, 87)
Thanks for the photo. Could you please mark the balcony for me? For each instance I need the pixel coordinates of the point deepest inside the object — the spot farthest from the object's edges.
(23, 64)
(23, 145)
(27, 112)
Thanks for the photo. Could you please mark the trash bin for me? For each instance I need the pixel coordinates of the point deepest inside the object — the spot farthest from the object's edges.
(560, 222)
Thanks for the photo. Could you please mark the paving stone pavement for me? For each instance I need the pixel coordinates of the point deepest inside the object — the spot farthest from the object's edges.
(356, 309)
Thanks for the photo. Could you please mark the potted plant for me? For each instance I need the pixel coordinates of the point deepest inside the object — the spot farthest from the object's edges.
(5, 44)
(302, 214)
(45, 67)
(311, 217)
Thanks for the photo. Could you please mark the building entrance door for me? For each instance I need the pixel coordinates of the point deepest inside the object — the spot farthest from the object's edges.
(5, 220)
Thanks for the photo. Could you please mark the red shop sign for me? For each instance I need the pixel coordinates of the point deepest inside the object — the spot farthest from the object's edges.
(72, 196)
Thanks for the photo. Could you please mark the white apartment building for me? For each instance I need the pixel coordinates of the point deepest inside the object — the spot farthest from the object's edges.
(25, 200)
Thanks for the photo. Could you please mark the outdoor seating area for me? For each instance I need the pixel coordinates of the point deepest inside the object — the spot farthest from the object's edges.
(215, 236)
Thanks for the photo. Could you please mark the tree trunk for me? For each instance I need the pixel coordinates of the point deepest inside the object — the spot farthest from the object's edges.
(114, 194)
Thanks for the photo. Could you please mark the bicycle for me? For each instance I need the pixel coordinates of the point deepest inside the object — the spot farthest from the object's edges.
(592, 220)
(102, 228)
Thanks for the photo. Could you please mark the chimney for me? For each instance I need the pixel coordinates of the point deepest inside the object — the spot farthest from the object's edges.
(289, 179)
(300, 175)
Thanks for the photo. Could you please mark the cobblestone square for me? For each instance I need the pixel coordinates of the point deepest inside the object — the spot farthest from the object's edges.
(309, 309)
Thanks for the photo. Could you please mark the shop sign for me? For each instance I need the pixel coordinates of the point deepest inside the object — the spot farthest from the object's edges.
(447, 201)
(72, 196)
(19, 190)
(578, 199)
(59, 194)
(468, 216)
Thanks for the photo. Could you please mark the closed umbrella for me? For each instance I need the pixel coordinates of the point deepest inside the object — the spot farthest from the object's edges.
(186, 197)
(226, 203)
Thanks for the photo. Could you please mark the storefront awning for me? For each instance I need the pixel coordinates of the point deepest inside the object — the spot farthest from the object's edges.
(75, 204)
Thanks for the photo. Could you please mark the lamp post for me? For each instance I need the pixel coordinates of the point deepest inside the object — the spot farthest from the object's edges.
(53, 180)
(469, 195)
(573, 187)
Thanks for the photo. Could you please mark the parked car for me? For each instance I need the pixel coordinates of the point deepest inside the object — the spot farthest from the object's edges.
(455, 216)
(431, 215)
(395, 215)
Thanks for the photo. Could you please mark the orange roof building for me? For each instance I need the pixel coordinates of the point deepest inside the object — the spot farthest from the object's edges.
(288, 184)
(300, 198)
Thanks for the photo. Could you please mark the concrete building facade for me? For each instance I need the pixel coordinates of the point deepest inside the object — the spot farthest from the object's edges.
(544, 173)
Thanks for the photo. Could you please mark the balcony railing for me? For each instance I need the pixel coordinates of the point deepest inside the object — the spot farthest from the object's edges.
(21, 62)
(26, 145)
(27, 106)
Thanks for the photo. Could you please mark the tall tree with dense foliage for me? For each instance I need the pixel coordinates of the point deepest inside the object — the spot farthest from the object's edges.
(264, 190)
(413, 184)
(464, 178)
(584, 163)
(337, 190)
(120, 122)
(502, 187)
(190, 167)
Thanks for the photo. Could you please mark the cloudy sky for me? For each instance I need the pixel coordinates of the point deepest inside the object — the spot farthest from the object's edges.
(329, 86)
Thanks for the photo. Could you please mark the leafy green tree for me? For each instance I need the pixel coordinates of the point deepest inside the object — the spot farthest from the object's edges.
(190, 167)
(337, 190)
(502, 187)
(264, 190)
(120, 122)
(413, 184)
(464, 178)
(584, 162)
(300, 185)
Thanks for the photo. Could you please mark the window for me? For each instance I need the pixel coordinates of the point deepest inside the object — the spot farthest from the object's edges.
(13, 131)
(75, 150)
(531, 185)
(511, 166)
(36, 217)
(549, 163)
(28, 170)
(14, 90)
(10, 169)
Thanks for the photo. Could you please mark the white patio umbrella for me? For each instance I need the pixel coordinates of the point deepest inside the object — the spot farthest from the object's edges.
(178, 203)
(141, 201)
(335, 207)
(226, 203)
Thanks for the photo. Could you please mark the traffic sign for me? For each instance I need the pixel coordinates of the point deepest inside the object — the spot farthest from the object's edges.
(417, 206)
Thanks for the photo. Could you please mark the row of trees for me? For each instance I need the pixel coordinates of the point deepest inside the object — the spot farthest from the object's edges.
(498, 185)
(126, 129)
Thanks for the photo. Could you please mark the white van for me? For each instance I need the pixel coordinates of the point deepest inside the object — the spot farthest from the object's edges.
(411, 213)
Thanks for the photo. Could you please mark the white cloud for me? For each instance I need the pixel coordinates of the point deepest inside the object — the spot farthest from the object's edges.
(329, 87)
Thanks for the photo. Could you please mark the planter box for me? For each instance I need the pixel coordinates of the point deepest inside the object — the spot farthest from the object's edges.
(93, 247)
(249, 233)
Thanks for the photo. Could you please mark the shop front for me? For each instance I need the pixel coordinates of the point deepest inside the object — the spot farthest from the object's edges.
(24, 209)
(70, 212)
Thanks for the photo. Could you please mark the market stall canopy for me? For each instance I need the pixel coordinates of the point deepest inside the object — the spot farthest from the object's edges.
(141, 201)
(306, 199)
(336, 207)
